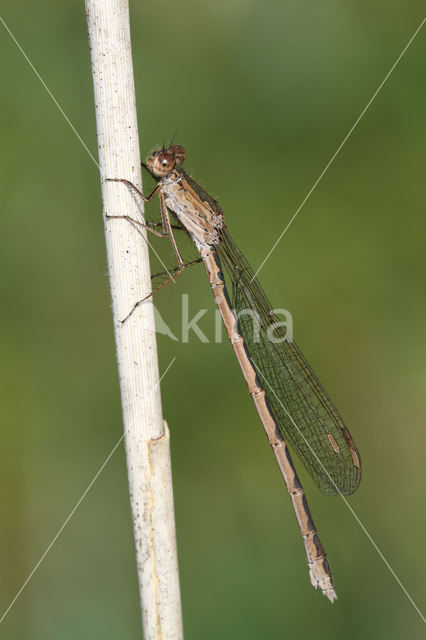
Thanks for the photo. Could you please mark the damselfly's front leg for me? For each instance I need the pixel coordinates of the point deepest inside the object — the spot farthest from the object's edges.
(147, 198)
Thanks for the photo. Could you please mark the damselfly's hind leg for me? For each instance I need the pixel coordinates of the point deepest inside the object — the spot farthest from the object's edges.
(173, 274)
(168, 273)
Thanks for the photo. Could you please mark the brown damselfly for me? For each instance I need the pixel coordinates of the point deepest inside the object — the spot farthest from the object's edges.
(292, 404)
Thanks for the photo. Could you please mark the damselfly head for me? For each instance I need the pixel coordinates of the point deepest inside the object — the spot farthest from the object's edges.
(162, 161)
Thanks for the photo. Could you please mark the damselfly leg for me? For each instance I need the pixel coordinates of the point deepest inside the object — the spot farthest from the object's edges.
(167, 273)
(147, 198)
(167, 232)
(177, 272)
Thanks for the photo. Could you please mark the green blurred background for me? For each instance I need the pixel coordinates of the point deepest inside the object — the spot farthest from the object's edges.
(262, 93)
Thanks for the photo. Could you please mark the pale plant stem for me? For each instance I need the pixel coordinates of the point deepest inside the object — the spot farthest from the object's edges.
(146, 436)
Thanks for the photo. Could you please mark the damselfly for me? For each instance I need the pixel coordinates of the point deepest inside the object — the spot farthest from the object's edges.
(292, 404)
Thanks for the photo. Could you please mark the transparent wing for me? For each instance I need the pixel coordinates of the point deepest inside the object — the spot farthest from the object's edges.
(305, 414)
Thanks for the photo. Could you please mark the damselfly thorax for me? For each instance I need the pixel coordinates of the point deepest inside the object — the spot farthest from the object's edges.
(203, 220)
